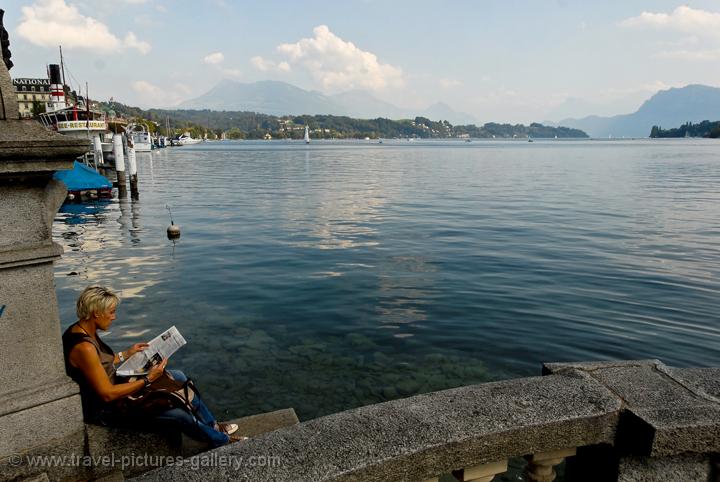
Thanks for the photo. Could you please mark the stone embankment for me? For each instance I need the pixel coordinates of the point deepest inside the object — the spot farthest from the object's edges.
(626, 421)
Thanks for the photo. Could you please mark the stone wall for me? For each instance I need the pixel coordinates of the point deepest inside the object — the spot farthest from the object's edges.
(627, 421)
(40, 409)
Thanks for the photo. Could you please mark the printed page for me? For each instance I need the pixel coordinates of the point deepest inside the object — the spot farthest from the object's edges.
(161, 347)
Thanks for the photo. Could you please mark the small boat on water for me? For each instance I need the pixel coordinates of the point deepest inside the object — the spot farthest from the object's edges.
(83, 181)
(307, 135)
(140, 137)
(187, 140)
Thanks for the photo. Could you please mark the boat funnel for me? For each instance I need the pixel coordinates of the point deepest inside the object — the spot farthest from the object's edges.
(57, 92)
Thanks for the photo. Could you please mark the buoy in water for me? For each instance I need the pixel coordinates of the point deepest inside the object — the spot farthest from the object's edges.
(173, 231)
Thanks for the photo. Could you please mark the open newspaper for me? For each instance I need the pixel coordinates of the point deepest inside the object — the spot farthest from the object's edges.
(161, 347)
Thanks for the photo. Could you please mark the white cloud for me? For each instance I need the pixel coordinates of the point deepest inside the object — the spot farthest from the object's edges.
(147, 20)
(214, 58)
(683, 19)
(184, 88)
(697, 55)
(144, 86)
(49, 23)
(694, 25)
(261, 64)
(450, 83)
(235, 73)
(265, 65)
(337, 64)
(688, 41)
(131, 41)
(152, 95)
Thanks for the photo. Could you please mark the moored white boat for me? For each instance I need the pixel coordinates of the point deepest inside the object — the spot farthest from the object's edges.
(186, 139)
(140, 137)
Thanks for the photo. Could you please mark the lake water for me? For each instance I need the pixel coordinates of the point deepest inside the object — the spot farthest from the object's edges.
(334, 275)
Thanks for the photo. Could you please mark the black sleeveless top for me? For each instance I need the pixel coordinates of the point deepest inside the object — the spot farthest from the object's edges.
(95, 410)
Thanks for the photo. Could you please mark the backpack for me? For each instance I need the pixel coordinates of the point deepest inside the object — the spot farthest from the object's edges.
(163, 394)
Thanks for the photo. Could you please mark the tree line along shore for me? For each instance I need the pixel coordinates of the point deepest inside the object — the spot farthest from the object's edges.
(251, 125)
(701, 129)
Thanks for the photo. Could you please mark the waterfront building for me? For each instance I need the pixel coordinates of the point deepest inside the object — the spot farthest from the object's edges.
(30, 91)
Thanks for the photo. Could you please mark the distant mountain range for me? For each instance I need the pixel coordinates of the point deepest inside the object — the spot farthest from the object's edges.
(280, 98)
(667, 108)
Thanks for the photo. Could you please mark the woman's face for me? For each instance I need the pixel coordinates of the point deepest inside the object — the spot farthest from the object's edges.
(104, 320)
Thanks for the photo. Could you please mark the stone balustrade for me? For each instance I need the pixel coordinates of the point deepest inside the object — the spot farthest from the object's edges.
(611, 420)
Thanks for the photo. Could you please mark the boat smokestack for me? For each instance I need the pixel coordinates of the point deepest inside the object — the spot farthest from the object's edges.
(57, 91)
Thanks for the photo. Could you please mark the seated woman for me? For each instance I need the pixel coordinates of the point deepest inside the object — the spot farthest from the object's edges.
(91, 363)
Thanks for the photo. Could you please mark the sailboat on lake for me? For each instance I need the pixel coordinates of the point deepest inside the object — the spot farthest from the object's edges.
(307, 135)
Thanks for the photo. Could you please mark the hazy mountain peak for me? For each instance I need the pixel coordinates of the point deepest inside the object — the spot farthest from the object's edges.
(280, 98)
(442, 111)
(667, 108)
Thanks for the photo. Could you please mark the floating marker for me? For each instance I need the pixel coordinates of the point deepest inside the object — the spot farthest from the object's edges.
(173, 231)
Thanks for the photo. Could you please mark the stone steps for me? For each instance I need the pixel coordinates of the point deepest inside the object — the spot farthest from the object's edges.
(121, 443)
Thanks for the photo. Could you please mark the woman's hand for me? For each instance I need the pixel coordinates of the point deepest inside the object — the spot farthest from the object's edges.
(134, 349)
(157, 371)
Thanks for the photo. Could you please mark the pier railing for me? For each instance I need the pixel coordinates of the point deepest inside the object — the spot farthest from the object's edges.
(612, 420)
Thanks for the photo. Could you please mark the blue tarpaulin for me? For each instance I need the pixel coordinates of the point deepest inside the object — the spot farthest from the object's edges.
(82, 178)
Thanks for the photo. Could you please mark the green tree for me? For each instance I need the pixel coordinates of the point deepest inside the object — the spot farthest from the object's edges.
(37, 108)
(235, 133)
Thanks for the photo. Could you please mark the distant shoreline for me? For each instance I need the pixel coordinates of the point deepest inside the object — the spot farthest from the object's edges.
(251, 125)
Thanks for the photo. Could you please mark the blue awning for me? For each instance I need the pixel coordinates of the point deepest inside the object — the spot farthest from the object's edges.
(82, 178)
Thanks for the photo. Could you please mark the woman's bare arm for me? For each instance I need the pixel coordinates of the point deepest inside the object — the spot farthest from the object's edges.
(130, 352)
(84, 357)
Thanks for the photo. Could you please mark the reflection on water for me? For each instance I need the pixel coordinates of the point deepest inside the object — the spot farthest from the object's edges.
(85, 228)
(403, 298)
(328, 276)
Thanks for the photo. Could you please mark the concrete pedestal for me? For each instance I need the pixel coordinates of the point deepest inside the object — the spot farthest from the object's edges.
(40, 410)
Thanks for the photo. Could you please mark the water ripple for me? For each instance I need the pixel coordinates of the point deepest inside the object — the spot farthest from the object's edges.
(337, 274)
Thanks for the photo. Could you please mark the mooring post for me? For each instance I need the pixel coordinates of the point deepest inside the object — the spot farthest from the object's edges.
(119, 155)
(132, 165)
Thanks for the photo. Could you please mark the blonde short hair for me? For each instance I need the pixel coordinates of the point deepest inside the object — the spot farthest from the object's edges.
(94, 300)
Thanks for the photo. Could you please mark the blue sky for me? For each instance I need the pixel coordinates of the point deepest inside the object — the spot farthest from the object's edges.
(510, 61)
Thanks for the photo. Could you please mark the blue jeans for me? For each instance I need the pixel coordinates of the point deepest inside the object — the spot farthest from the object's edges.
(200, 428)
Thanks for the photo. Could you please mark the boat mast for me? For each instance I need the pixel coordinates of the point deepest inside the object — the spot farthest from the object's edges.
(62, 67)
(87, 108)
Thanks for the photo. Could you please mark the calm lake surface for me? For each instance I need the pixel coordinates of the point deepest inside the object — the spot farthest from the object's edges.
(334, 275)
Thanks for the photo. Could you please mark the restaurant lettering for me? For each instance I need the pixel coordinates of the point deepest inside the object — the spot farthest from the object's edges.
(81, 125)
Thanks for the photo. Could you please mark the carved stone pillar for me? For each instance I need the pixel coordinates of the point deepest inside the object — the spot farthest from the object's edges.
(39, 404)
(540, 465)
(481, 473)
